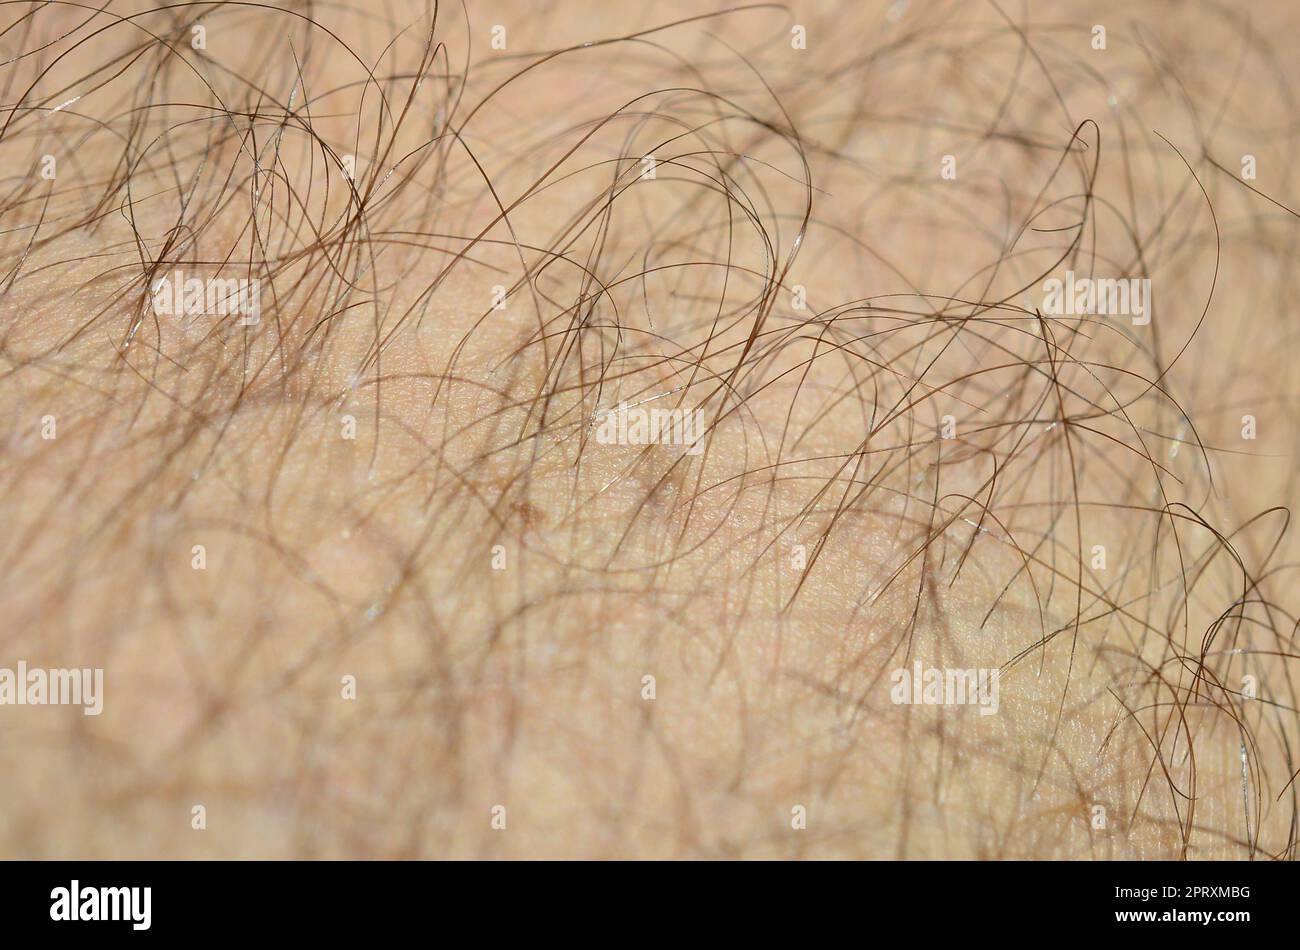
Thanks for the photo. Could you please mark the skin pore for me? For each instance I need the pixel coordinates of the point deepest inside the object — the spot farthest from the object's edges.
(364, 571)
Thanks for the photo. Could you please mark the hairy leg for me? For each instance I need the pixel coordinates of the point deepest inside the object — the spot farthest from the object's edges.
(386, 568)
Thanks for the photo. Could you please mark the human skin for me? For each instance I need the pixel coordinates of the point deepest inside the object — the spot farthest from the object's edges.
(396, 482)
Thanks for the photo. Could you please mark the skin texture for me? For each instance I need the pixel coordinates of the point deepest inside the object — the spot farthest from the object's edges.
(395, 474)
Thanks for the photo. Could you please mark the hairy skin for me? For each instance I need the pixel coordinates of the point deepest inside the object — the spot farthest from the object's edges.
(827, 535)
